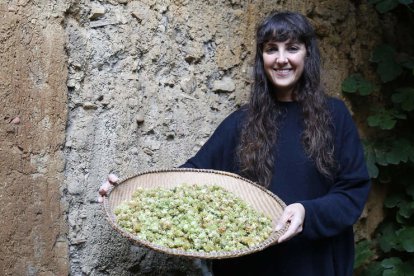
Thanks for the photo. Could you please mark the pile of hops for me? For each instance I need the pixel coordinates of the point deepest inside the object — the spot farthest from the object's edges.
(197, 218)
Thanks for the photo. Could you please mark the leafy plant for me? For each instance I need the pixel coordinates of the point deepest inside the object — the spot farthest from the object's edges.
(356, 83)
(389, 151)
(384, 6)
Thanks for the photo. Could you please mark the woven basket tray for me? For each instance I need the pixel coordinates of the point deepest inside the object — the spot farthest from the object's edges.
(256, 196)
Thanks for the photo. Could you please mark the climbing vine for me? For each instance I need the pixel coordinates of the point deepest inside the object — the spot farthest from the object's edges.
(389, 150)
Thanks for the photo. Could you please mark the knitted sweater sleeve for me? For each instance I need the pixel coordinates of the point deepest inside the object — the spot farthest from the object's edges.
(340, 208)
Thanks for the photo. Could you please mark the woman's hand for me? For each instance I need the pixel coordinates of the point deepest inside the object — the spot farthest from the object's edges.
(109, 182)
(295, 214)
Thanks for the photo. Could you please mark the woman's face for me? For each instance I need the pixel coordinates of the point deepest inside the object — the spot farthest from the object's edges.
(283, 64)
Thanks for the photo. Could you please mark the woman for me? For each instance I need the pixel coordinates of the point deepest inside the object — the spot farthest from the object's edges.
(300, 144)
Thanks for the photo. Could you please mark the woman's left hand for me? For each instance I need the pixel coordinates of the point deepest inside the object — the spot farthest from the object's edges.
(295, 214)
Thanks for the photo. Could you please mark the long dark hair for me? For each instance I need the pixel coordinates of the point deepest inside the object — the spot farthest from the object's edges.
(260, 131)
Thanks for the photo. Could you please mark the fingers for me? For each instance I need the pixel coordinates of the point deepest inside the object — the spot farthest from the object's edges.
(295, 215)
(112, 180)
(286, 216)
(294, 228)
(100, 199)
(103, 190)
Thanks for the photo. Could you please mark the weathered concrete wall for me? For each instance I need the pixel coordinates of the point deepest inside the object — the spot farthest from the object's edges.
(144, 92)
(33, 111)
(145, 84)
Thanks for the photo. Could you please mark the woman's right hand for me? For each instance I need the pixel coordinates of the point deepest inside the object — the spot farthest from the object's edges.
(111, 181)
(294, 214)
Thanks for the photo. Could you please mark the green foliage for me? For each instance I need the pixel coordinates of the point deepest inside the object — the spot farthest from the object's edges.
(371, 159)
(400, 151)
(406, 235)
(389, 152)
(363, 253)
(405, 98)
(388, 68)
(384, 119)
(356, 83)
(387, 238)
(384, 6)
(393, 151)
(395, 266)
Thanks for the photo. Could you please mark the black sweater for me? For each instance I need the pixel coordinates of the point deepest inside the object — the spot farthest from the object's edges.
(326, 245)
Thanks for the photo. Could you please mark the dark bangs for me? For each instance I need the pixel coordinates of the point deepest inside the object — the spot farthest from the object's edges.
(283, 26)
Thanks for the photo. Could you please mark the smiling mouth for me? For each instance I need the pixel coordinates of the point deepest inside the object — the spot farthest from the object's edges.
(282, 72)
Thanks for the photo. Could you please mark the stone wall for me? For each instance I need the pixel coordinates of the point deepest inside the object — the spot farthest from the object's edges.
(125, 86)
(33, 107)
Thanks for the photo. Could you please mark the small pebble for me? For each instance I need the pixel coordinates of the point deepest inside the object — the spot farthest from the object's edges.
(15, 121)
(140, 119)
(89, 105)
(96, 12)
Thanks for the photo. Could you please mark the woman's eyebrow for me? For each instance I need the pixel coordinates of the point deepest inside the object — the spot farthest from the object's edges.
(270, 44)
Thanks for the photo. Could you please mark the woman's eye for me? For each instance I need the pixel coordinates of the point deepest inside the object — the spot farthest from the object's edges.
(271, 49)
(293, 49)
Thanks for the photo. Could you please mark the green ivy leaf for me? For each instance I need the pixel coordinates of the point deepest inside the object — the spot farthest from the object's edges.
(386, 5)
(393, 200)
(381, 156)
(370, 160)
(406, 237)
(391, 272)
(397, 151)
(388, 69)
(373, 170)
(365, 88)
(350, 84)
(382, 53)
(388, 239)
(363, 253)
(401, 220)
(406, 209)
(396, 267)
(400, 116)
(395, 271)
(373, 269)
(401, 151)
(405, 97)
(356, 82)
(405, 2)
(383, 119)
(391, 262)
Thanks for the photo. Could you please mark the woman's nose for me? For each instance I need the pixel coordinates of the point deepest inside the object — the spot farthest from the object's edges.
(281, 59)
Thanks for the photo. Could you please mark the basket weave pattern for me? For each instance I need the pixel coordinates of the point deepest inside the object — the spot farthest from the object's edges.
(256, 196)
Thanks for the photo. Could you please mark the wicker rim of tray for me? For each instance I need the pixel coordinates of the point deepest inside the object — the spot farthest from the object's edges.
(262, 193)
